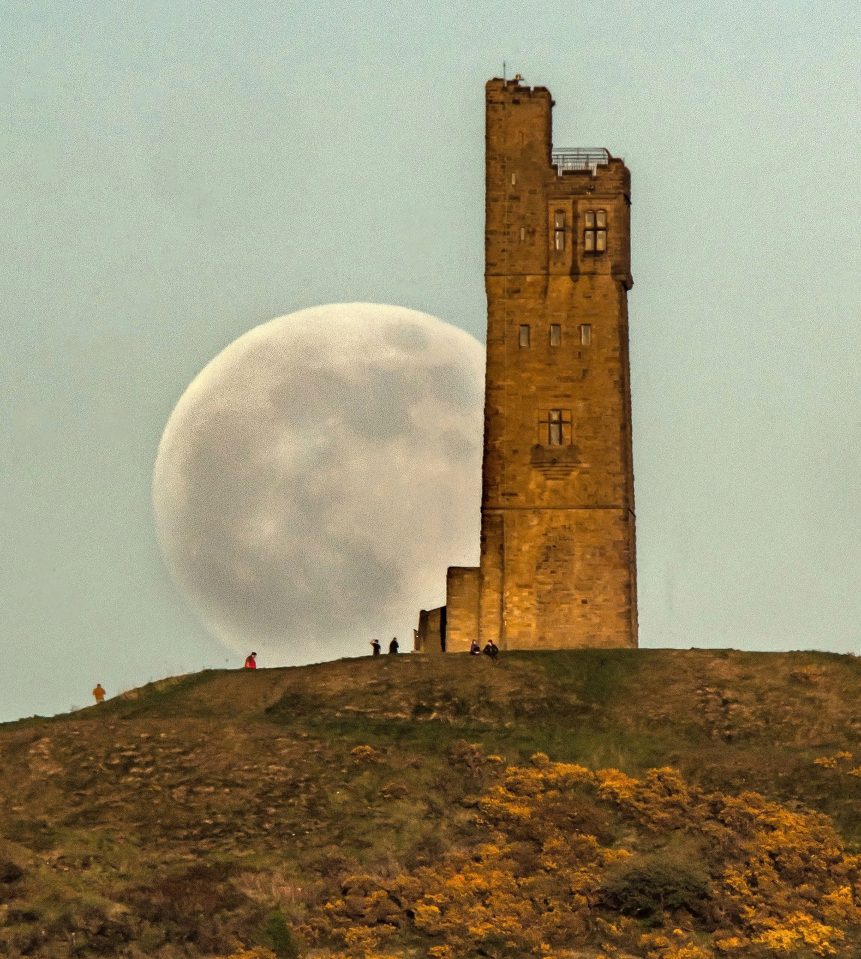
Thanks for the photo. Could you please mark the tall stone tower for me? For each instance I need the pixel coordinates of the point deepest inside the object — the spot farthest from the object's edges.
(558, 564)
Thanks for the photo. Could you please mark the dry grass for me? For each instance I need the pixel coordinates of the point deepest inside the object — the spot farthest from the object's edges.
(280, 781)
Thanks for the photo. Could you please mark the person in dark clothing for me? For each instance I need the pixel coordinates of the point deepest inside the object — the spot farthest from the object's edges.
(491, 649)
(474, 648)
(375, 646)
(393, 645)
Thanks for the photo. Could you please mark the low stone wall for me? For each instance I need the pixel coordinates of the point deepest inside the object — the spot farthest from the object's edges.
(431, 634)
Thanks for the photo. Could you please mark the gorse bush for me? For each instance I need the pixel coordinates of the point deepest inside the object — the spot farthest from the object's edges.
(772, 882)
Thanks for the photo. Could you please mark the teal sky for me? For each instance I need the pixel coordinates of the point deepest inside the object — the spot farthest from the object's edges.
(177, 173)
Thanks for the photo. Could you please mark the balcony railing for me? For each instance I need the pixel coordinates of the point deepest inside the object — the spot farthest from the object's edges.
(579, 158)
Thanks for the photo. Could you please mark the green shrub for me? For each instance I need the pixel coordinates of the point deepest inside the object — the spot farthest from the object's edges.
(280, 937)
(647, 887)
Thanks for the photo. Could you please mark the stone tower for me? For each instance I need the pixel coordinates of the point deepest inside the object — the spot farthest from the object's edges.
(558, 564)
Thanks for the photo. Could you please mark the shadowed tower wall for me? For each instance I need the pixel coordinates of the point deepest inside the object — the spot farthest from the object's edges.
(557, 514)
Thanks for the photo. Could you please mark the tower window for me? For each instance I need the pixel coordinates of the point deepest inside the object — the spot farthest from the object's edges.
(555, 428)
(524, 334)
(595, 234)
(585, 334)
(559, 230)
(555, 334)
(522, 234)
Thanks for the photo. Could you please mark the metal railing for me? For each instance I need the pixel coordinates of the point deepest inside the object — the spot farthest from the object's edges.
(579, 158)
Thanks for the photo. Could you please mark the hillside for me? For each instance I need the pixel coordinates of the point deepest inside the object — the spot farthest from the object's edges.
(446, 807)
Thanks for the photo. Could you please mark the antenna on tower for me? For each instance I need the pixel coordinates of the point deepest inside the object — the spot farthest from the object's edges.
(503, 72)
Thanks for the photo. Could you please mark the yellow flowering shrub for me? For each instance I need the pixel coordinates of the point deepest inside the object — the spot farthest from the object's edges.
(840, 758)
(572, 859)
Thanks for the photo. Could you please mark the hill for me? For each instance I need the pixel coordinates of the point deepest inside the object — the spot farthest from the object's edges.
(656, 803)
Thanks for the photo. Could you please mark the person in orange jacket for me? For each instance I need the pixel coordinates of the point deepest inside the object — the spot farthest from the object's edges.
(99, 693)
(251, 661)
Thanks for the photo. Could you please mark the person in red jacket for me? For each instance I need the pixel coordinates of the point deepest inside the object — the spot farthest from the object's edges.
(251, 661)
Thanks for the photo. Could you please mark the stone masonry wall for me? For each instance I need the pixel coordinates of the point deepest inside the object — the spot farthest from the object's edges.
(461, 596)
(430, 635)
(557, 546)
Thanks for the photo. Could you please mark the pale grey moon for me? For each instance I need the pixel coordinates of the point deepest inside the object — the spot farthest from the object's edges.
(319, 475)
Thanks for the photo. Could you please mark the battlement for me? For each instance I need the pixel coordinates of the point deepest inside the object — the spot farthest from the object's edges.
(519, 132)
(504, 89)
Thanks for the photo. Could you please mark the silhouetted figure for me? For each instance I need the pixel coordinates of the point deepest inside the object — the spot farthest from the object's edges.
(251, 661)
(491, 649)
(474, 648)
(375, 645)
(99, 693)
(393, 645)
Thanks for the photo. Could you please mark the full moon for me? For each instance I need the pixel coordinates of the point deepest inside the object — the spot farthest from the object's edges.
(319, 475)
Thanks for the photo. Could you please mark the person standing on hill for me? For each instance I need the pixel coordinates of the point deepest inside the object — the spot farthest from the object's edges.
(99, 693)
(251, 661)
(375, 646)
(393, 645)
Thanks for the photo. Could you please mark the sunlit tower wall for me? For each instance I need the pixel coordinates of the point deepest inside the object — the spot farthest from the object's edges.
(558, 559)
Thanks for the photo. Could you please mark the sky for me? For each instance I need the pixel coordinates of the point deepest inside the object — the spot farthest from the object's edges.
(175, 174)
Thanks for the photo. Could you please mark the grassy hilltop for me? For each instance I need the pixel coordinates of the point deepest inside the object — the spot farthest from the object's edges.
(566, 805)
